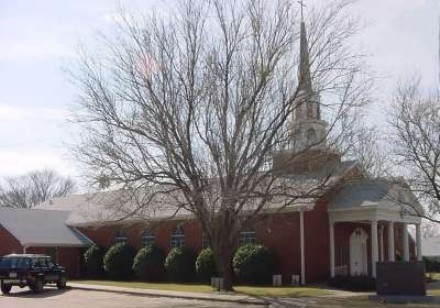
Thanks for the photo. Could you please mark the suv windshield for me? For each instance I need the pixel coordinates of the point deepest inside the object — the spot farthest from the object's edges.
(14, 262)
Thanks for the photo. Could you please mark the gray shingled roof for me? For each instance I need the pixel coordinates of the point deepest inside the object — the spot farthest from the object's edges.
(379, 192)
(41, 228)
(111, 206)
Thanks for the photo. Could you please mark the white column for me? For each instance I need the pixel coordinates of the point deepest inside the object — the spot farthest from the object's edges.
(24, 249)
(332, 249)
(405, 243)
(381, 249)
(374, 248)
(419, 242)
(391, 251)
(303, 260)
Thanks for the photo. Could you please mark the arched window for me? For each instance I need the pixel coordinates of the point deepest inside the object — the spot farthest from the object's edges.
(311, 136)
(177, 237)
(247, 237)
(148, 237)
(121, 237)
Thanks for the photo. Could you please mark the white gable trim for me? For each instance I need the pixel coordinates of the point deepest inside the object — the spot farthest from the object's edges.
(371, 214)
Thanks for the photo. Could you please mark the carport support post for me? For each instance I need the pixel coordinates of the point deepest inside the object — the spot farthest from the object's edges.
(374, 248)
(303, 260)
(405, 241)
(332, 248)
(391, 251)
(419, 242)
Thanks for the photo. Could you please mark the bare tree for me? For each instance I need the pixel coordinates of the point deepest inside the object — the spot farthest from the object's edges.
(416, 123)
(189, 109)
(28, 190)
(430, 229)
(366, 145)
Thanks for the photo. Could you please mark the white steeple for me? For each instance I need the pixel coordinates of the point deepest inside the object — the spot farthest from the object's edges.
(306, 129)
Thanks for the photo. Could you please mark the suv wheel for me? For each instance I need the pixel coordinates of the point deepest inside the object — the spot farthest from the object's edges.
(61, 283)
(6, 288)
(38, 286)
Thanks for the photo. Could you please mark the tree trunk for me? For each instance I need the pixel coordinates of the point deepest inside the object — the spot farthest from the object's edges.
(224, 257)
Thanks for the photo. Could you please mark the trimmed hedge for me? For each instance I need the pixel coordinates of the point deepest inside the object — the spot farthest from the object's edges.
(431, 264)
(205, 265)
(148, 263)
(93, 261)
(179, 265)
(254, 264)
(118, 261)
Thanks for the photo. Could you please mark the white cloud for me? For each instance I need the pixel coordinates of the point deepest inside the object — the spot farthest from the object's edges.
(10, 113)
(30, 50)
(15, 161)
(117, 17)
(16, 114)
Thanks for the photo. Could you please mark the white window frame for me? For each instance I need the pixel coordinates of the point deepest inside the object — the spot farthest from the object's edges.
(121, 237)
(148, 237)
(247, 237)
(177, 237)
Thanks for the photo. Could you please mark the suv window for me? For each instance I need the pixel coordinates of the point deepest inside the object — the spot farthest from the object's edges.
(14, 262)
(37, 262)
(49, 263)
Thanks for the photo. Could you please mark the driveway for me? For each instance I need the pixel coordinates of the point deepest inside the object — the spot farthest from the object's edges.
(53, 298)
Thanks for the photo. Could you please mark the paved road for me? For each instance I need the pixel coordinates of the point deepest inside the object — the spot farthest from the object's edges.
(53, 298)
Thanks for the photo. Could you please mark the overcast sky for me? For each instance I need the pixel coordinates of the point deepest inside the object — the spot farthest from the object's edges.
(39, 37)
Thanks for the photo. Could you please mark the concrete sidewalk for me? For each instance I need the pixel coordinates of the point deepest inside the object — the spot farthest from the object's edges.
(219, 297)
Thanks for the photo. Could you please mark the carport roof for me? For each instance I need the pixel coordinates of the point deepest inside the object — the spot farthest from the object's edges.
(41, 228)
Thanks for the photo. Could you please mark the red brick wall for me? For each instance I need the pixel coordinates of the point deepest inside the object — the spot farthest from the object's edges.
(280, 233)
(69, 257)
(8, 243)
(105, 236)
(317, 240)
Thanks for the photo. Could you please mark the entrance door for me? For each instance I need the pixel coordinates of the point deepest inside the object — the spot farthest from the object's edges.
(358, 253)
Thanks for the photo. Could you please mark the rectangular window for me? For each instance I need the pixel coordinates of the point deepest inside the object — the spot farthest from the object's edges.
(247, 237)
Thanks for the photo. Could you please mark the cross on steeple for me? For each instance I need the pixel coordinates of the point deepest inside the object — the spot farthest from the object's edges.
(302, 5)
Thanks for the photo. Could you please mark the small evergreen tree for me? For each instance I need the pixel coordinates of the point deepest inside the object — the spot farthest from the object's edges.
(93, 261)
(118, 261)
(180, 265)
(205, 265)
(149, 262)
(253, 263)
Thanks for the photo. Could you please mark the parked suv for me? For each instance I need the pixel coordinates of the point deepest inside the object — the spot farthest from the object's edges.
(29, 270)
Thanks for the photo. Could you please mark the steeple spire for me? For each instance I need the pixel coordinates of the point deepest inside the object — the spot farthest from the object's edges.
(304, 77)
(308, 100)
(306, 127)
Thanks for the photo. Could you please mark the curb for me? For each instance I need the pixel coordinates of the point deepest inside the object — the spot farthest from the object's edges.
(151, 293)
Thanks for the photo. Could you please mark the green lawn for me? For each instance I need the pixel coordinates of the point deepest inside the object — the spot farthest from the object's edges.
(201, 288)
(360, 302)
(433, 276)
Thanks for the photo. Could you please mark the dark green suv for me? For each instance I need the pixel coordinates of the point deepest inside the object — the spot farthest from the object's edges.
(30, 270)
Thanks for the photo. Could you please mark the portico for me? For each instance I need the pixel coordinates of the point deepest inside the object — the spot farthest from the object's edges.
(366, 220)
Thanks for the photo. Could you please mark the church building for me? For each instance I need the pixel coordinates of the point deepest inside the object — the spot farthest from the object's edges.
(356, 221)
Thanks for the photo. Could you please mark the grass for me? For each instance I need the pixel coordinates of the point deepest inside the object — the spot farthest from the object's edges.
(281, 291)
(433, 276)
(202, 288)
(433, 292)
(359, 302)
